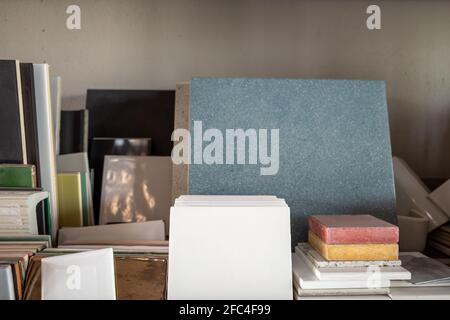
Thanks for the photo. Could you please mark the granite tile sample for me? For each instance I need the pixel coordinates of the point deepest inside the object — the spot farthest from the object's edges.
(334, 145)
(304, 278)
(320, 262)
(353, 229)
(351, 252)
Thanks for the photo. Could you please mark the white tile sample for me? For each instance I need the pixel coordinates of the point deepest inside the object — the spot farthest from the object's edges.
(306, 279)
(46, 139)
(339, 292)
(6, 283)
(411, 194)
(79, 276)
(355, 273)
(236, 252)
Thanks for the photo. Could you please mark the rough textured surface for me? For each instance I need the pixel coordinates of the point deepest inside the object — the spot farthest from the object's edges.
(351, 229)
(180, 171)
(347, 252)
(335, 154)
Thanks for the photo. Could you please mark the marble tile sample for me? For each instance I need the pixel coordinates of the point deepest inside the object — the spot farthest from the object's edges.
(334, 145)
(305, 279)
(339, 292)
(353, 229)
(349, 252)
(355, 273)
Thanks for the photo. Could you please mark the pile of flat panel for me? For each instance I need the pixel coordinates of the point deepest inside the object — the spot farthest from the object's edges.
(18, 212)
(137, 275)
(230, 247)
(356, 257)
(16, 252)
(351, 256)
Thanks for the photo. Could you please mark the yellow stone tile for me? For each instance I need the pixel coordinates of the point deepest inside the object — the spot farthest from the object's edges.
(349, 252)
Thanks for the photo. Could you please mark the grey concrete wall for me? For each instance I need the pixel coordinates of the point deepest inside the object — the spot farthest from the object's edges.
(153, 44)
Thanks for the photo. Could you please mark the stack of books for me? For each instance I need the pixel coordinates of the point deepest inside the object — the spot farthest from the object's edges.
(19, 232)
(347, 256)
(28, 195)
(27, 147)
(18, 212)
(16, 252)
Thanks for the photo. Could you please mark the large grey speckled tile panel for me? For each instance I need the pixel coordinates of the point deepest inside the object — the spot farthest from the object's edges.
(335, 152)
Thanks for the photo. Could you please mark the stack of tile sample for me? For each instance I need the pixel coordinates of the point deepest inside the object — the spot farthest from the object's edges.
(18, 212)
(347, 255)
(16, 252)
(139, 275)
(230, 247)
(140, 256)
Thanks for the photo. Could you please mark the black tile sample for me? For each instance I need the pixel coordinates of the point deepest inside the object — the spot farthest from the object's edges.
(30, 119)
(133, 114)
(74, 130)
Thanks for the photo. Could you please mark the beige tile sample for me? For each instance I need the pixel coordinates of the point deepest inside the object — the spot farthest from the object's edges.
(180, 172)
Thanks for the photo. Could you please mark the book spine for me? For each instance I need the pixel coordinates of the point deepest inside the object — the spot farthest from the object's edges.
(33, 175)
(21, 116)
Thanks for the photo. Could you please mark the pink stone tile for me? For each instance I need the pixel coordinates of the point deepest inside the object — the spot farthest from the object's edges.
(353, 229)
